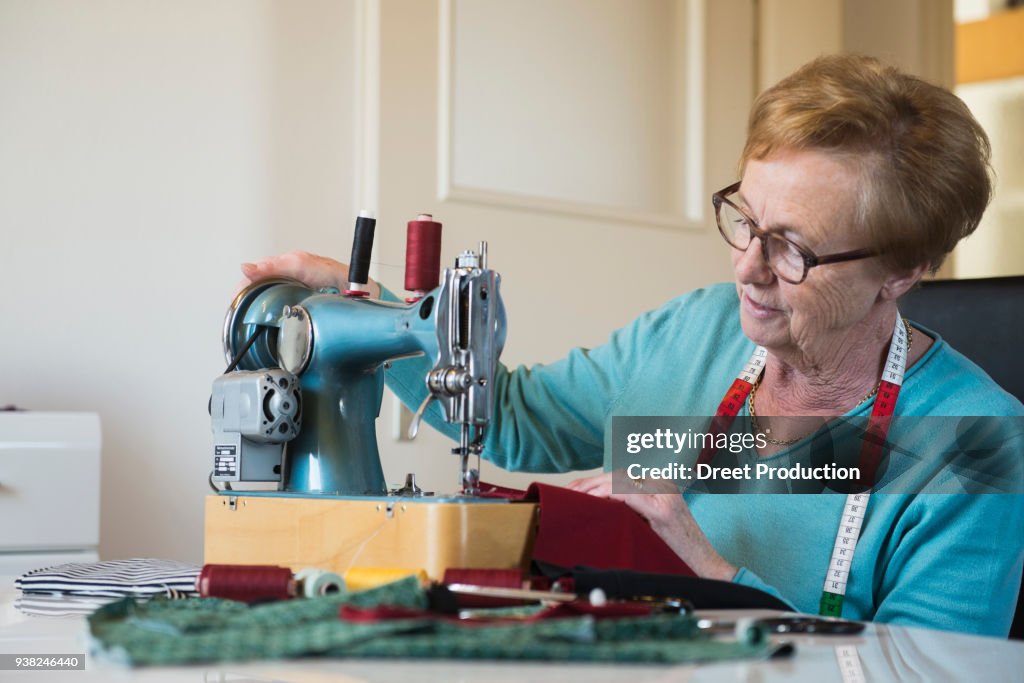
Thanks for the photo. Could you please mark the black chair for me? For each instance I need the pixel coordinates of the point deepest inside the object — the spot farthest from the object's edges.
(981, 319)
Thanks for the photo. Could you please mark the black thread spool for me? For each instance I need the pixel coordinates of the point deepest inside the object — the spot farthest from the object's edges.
(362, 246)
(245, 583)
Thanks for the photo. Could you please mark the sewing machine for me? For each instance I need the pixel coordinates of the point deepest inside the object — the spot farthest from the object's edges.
(299, 403)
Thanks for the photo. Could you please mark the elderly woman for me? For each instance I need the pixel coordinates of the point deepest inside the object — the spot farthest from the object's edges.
(856, 179)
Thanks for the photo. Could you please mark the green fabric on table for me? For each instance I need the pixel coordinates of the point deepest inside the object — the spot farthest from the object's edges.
(171, 632)
(166, 632)
(669, 639)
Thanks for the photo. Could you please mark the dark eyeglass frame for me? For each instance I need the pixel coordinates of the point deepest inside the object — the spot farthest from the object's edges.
(809, 257)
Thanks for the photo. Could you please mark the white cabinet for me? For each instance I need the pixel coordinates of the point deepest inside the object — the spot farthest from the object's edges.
(49, 489)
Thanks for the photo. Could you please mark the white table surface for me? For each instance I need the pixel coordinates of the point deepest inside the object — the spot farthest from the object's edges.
(880, 653)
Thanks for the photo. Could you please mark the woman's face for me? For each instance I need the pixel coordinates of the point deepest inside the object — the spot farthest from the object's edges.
(808, 197)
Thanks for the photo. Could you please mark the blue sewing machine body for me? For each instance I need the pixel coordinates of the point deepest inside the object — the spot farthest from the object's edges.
(303, 409)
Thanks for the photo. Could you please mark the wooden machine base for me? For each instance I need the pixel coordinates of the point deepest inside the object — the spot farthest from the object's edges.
(340, 534)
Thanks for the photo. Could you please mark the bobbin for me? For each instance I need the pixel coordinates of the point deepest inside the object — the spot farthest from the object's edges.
(315, 583)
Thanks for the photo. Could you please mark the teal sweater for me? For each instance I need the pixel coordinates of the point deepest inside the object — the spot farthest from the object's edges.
(941, 561)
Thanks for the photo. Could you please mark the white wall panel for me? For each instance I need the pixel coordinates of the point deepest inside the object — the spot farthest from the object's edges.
(575, 105)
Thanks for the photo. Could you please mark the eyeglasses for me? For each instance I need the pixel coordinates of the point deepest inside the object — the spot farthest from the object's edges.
(787, 259)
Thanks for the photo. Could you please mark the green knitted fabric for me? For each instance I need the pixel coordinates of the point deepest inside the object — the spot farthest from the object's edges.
(171, 632)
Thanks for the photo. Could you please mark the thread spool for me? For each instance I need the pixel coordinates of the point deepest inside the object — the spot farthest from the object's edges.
(364, 578)
(422, 254)
(362, 246)
(245, 583)
(748, 631)
(315, 583)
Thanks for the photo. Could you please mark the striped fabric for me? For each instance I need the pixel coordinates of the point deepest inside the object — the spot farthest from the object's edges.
(113, 579)
(46, 605)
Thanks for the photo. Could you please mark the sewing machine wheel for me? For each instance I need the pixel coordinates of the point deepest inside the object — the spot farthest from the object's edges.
(238, 325)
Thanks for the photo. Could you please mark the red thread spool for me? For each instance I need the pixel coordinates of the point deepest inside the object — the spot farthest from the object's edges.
(245, 583)
(422, 254)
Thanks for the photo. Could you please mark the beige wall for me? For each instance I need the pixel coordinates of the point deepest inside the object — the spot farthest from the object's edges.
(997, 247)
(792, 32)
(916, 35)
(146, 148)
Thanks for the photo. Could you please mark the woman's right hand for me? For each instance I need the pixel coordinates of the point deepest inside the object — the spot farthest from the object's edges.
(316, 272)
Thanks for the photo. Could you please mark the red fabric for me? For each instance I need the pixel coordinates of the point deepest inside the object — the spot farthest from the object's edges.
(495, 578)
(495, 491)
(577, 529)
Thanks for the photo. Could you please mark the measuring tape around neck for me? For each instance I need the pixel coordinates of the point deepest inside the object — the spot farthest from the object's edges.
(841, 562)
(854, 509)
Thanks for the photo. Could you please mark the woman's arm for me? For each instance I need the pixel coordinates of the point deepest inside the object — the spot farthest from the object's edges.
(547, 418)
(316, 272)
(956, 565)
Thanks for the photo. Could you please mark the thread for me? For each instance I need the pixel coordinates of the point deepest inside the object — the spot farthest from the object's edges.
(357, 553)
(362, 246)
(422, 254)
(315, 583)
(364, 578)
(245, 583)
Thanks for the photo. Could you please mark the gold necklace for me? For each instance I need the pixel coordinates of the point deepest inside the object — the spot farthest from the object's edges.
(789, 442)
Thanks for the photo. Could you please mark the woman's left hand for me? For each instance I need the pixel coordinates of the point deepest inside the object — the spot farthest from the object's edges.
(662, 505)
